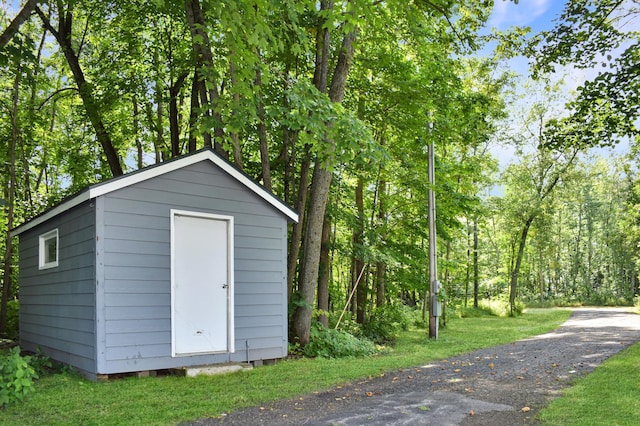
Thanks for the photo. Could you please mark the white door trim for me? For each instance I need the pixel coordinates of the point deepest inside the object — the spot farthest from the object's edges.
(230, 276)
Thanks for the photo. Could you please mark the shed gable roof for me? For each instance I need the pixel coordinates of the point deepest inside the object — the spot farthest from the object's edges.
(141, 175)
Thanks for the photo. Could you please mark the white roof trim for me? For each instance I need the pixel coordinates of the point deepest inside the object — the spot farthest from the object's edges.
(151, 172)
(60, 208)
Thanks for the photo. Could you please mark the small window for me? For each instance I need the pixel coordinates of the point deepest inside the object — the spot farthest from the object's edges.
(48, 250)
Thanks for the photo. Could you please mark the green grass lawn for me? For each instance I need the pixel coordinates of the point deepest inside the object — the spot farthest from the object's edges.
(607, 396)
(64, 399)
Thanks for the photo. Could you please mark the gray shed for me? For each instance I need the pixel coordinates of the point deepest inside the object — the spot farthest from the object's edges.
(176, 265)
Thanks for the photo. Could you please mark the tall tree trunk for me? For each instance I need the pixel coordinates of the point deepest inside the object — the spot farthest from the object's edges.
(174, 112)
(321, 182)
(160, 145)
(381, 266)
(63, 37)
(476, 275)
(467, 275)
(193, 113)
(262, 133)
(16, 23)
(7, 284)
(234, 136)
(44, 163)
(209, 94)
(358, 262)
(296, 234)
(320, 82)
(136, 132)
(541, 268)
(27, 141)
(353, 282)
(324, 272)
(341, 72)
(577, 257)
(323, 38)
(311, 252)
(287, 156)
(513, 288)
(203, 101)
(543, 190)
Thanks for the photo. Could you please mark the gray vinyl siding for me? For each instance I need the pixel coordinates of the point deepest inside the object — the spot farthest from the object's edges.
(135, 267)
(57, 305)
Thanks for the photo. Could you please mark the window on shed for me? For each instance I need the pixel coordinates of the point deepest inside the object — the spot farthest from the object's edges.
(48, 257)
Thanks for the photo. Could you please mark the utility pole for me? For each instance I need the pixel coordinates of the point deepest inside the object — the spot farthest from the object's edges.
(434, 285)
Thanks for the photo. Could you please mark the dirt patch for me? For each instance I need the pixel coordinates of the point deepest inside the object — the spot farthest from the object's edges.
(502, 385)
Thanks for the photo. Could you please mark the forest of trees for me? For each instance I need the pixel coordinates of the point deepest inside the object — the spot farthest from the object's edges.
(331, 105)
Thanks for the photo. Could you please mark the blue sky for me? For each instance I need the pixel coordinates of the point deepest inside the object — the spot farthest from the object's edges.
(541, 15)
(537, 14)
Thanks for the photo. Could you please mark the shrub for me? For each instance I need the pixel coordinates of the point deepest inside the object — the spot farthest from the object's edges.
(329, 343)
(606, 298)
(494, 307)
(348, 324)
(16, 377)
(471, 312)
(43, 365)
(385, 323)
(518, 308)
(12, 320)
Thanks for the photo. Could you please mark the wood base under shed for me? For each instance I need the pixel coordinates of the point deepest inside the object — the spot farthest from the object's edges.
(194, 371)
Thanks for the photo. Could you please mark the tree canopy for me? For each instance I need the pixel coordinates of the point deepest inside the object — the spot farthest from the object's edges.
(600, 36)
(331, 105)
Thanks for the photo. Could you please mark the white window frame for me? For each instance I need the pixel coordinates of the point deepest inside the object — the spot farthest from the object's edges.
(43, 261)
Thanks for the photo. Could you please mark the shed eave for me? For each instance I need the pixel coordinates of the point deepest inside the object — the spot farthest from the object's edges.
(206, 154)
(141, 175)
(55, 211)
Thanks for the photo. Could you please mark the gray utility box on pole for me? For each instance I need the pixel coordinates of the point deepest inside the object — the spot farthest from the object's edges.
(436, 306)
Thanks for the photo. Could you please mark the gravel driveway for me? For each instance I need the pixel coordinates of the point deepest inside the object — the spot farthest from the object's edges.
(502, 385)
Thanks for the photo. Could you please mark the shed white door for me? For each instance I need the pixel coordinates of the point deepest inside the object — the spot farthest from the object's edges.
(202, 281)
